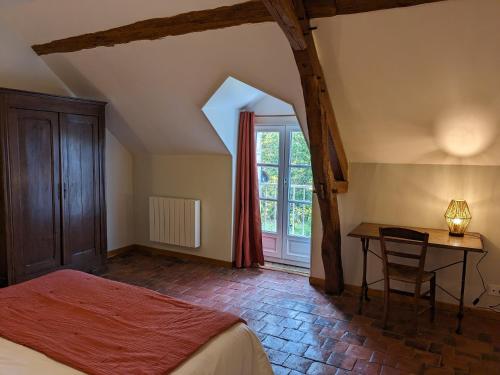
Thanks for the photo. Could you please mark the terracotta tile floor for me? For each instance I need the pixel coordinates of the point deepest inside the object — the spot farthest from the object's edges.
(305, 331)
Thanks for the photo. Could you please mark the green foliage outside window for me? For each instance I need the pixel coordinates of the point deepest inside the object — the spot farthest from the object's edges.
(268, 148)
(299, 183)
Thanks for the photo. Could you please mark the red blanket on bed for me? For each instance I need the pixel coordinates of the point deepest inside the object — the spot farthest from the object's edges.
(104, 327)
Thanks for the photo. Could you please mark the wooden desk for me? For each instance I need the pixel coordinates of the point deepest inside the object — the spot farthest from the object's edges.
(438, 238)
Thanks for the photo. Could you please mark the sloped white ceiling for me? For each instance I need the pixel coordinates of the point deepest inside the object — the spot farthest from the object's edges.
(44, 20)
(157, 88)
(410, 85)
(417, 85)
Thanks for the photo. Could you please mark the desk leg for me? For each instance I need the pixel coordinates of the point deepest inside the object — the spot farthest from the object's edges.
(462, 290)
(364, 284)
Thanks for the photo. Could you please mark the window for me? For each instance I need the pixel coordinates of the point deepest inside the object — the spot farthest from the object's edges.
(285, 190)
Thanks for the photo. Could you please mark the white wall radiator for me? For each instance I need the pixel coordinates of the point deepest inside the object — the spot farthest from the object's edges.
(174, 221)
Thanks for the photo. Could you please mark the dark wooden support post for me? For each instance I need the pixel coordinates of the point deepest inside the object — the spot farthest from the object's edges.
(283, 12)
(329, 163)
(323, 178)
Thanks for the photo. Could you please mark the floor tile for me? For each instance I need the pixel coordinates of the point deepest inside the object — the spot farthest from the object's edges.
(272, 329)
(276, 357)
(274, 342)
(317, 354)
(298, 363)
(317, 368)
(280, 370)
(292, 334)
(367, 368)
(296, 348)
(341, 360)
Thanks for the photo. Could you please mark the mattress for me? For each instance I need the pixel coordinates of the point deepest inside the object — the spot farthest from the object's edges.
(236, 351)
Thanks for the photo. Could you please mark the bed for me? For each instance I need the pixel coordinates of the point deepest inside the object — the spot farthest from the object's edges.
(70, 323)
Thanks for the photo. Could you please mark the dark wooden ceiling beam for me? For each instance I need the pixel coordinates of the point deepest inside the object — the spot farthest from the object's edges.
(284, 13)
(250, 12)
(157, 28)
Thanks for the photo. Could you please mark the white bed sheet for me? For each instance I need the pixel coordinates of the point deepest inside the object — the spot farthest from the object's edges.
(235, 352)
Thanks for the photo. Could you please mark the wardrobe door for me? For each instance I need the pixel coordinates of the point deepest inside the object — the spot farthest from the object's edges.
(81, 214)
(33, 149)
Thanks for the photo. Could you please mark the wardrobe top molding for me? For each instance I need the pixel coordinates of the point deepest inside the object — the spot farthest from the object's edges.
(61, 97)
(48, 102)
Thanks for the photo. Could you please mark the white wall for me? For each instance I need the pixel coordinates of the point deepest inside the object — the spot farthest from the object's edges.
(119, 194)
(225, 122)
(418, 195)
(21, 68)
(204, 177)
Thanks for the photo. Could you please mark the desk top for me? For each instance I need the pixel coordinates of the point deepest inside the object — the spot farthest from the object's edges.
(437, 237)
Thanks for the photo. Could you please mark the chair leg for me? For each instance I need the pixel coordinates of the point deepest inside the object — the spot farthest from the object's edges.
(417, 305)
(433, 298)
(386, 302)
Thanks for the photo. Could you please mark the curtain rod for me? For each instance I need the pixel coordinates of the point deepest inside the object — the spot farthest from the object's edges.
(275, 116)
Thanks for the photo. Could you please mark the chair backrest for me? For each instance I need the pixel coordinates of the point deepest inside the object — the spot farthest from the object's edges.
(407, 236)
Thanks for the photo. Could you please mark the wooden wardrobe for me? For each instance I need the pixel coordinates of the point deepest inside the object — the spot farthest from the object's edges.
(52, 204)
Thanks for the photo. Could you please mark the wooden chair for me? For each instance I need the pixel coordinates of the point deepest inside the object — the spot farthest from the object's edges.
(412, 274)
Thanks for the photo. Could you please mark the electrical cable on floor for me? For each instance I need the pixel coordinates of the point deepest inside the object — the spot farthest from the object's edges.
(476, 301)
(489, 308)
(493, 308)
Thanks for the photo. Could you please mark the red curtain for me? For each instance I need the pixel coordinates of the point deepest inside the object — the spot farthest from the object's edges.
(247, 225)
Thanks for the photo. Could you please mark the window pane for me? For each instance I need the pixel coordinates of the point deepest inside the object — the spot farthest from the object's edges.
(268, 147)
(268, 216)
(268, 182)
(299, 219)
(300, 184)
(299, 151)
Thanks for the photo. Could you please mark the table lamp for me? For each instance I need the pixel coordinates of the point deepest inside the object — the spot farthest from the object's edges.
(458, 217)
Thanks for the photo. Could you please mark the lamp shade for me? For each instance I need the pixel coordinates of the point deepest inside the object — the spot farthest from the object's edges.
(458, 217)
